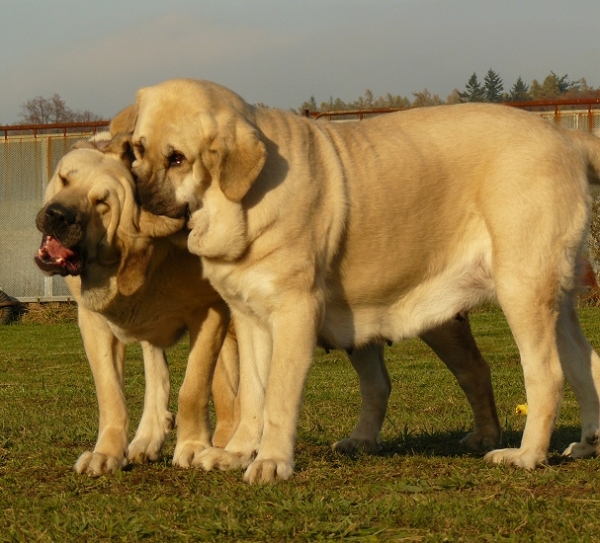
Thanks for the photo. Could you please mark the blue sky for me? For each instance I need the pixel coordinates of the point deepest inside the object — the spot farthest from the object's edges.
(97, 53)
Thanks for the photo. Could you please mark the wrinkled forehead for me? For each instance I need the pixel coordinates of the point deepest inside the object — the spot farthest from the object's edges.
(78, 163)
(88, 167)
(173, 115)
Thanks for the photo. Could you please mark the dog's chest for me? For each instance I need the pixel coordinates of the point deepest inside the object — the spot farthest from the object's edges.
(247, 289)
(156, 323)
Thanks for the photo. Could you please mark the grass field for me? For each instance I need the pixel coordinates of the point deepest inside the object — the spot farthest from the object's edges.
(421, 487)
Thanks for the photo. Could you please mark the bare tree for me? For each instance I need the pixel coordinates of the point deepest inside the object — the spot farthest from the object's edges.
(40, 110)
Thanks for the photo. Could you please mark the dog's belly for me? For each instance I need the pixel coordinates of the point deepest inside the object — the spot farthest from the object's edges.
(462, 285)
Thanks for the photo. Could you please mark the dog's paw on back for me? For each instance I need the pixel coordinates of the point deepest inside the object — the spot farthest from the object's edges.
(94, 464)
(589, 446)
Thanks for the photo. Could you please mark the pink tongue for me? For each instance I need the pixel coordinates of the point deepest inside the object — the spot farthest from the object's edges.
(56, 250)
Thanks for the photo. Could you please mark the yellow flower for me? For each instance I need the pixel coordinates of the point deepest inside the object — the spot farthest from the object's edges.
(521, 409)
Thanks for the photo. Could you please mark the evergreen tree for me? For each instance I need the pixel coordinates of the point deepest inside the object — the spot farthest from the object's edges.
(474, 92)
(519, 91)
(492, 87)
(535, 90)
(311, 105)
(554, 86)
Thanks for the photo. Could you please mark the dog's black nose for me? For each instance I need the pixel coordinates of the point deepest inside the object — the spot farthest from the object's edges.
(58, 215)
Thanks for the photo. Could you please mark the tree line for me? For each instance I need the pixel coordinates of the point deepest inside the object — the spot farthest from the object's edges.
(40, 110)
(491, 89)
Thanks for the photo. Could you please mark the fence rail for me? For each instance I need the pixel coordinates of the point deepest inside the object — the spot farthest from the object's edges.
(29, 154)
(52, 128)
(567, 112)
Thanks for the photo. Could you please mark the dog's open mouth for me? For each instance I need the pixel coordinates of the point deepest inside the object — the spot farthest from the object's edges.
(54, 258)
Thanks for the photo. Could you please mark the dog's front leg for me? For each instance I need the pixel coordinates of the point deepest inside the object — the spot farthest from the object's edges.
(193, 422)
(255, 349)
(106, 355)
(157, 421)
(294, 333)
(226, 382)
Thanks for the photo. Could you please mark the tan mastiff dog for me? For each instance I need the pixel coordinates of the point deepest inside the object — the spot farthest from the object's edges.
(133, 284)
(351, 233)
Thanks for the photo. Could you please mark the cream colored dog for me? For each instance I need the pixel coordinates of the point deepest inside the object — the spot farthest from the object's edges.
(352, 233)
(130, 286)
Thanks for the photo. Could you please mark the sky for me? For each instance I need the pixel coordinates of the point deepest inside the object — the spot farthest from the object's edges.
(96, 53)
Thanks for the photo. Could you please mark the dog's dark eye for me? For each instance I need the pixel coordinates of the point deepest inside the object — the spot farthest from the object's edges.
(175, 159)
(63, 180)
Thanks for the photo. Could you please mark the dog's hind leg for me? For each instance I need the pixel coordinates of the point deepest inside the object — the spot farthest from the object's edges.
(581, 365)
(453, 342)
(157, 421)
(375, 388)
(531, 306)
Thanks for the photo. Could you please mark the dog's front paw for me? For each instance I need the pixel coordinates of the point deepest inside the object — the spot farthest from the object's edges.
(268, 470)
(215, 458)
(516, 457)
(95, 464)
(351, 445)
(145, 449)
(187, 453)
(150, 438)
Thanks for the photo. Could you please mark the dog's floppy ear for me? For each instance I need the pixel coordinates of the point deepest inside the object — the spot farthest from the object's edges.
(135, 261)
(137, 252)
(120, 146)
(125, 120)
(241, 157)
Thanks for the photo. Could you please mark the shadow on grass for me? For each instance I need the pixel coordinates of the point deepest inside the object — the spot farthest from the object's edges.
(447, 444)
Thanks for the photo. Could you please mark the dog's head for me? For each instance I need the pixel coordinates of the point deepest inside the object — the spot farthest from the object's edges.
(91, 218)
(197, 152)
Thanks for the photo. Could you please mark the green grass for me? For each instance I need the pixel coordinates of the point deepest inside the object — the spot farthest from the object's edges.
(421, 487)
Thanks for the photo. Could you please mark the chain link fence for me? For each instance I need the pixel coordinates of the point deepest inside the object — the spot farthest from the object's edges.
(26, 165)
